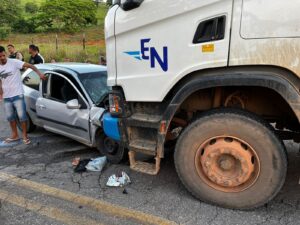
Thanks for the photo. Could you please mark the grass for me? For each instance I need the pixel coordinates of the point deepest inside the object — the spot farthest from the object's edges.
(72, 52)
(70, 46)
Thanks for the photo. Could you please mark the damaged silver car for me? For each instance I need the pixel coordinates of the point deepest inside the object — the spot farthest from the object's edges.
(71, 103)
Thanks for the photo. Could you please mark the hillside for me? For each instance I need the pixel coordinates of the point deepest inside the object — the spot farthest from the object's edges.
(70, 46)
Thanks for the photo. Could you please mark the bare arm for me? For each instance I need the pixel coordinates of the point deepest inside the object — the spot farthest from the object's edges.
(42, 76)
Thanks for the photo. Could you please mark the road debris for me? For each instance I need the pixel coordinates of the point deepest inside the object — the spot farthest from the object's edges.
(97, 164)
(118, 181)
(80, 168)
(75, 161)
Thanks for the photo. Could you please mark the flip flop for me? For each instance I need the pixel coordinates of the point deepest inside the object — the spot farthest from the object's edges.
(10, 140)
(26, 141)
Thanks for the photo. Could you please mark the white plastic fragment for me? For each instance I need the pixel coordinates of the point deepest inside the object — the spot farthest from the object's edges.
(96, 165)
(114, 181)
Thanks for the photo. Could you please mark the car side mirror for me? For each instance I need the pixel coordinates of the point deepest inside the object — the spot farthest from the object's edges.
(127, 5)
(73, 104)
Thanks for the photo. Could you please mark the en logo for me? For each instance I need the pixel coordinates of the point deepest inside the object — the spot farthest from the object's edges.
(150, 53)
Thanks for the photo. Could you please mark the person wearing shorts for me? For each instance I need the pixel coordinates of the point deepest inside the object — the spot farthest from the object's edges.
(12, 93)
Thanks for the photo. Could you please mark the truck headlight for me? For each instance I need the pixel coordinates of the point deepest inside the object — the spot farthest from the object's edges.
(115, 104)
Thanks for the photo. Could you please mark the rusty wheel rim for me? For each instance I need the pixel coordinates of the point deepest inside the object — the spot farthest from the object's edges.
(227, 164)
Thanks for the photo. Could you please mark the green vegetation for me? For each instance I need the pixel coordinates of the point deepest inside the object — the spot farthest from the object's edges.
(66, 15)
(10, 13)
(31, 7)
(39, 2)
(70, 43)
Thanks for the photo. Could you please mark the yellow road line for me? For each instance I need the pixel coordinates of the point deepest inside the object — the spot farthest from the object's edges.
(51, 212)
(98, 205)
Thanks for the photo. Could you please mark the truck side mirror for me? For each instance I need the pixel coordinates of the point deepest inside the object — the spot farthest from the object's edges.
(127, 5)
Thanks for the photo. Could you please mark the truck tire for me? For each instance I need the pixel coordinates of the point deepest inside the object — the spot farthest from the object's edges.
(231, 158)
(113, 150)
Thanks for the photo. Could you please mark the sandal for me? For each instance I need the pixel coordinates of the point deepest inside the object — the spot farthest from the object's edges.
(10, 140)
(26, 141)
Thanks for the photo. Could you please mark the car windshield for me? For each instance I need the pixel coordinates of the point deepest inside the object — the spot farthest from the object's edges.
(95, 85)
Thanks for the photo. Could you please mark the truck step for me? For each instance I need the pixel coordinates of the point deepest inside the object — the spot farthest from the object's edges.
(143, 146)
(144, 120)
(144, 167)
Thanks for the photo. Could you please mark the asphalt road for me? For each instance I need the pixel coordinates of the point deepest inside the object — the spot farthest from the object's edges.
(38, 186)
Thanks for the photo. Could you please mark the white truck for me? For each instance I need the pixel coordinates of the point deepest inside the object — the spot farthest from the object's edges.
(216, 79)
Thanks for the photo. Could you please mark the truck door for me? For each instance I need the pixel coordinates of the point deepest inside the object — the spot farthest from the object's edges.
(62, 108)
(270, 19)
(266, 32)
(160, 42)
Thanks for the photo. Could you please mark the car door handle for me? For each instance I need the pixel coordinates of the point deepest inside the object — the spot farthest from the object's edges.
(42, 107)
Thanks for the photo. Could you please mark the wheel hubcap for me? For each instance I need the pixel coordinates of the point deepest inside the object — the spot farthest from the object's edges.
(227, 164)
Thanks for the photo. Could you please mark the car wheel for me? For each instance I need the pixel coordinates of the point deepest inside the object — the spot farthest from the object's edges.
(231, 158)
(30, 126)
(113, 150)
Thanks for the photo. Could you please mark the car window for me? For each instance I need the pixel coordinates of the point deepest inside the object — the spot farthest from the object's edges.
(32, 80)
(61, 90)
(95, 85)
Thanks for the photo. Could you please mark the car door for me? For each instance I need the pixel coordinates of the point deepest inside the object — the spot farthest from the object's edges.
(31, 82)
(58, 111)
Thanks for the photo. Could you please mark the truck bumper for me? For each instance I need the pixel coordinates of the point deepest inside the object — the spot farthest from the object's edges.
(111, 127)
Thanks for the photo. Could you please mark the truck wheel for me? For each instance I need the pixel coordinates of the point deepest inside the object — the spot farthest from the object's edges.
(231, 158)
(30, 126)
(113, 150)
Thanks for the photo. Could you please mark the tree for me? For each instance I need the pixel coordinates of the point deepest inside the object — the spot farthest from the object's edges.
(68, 15)
(10, 11)
(28, 25)
(31, 7)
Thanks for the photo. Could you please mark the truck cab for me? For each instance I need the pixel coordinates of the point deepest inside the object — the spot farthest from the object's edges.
(218, 81)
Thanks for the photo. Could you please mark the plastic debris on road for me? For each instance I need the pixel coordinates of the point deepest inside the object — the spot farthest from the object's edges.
(118, 181)
(96, 165)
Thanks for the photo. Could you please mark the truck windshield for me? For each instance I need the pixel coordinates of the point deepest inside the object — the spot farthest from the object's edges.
(95, 85)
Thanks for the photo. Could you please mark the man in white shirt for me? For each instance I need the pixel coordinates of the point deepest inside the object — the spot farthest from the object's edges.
(11, 90)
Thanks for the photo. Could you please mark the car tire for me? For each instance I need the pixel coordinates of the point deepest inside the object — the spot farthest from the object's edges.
(30, 126)
(113, 150)
(231, 158)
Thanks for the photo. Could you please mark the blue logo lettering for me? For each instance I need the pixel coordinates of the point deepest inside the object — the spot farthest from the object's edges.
(150, 53)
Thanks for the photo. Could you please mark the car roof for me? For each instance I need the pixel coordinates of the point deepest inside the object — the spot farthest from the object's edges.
(78, 68)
